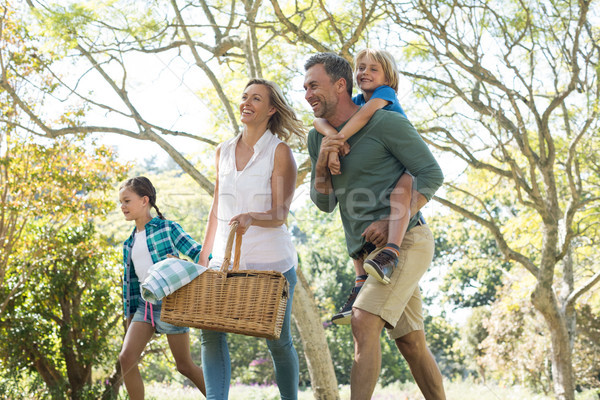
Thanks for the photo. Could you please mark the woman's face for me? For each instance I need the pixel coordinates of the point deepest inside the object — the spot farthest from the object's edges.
(255, 106)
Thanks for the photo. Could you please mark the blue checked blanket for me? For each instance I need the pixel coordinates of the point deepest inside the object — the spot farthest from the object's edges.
(167, 276)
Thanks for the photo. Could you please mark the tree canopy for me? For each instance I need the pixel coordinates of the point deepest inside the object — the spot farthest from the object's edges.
(507, 91)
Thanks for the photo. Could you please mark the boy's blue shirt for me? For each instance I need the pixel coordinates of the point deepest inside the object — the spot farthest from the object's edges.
(386, 147)
(163, 237)
(386, 93)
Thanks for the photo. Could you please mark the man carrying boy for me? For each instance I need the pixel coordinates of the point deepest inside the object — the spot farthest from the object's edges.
(381, 152)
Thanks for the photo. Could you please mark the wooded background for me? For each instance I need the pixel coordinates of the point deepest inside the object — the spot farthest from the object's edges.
(505, 92)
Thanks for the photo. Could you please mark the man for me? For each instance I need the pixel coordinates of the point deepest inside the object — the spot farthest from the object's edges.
(381, 152)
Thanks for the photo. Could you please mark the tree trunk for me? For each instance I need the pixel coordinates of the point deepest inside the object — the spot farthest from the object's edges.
(318, 357)
(562, 366)
(50, 376)
(113, 384)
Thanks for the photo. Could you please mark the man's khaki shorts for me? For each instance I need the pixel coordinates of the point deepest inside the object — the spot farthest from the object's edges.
(399, 303)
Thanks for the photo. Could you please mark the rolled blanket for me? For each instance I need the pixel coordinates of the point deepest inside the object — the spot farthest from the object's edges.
(167, 276)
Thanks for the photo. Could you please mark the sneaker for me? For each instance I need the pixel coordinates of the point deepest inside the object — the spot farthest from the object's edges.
(381, 266)
(345, 314)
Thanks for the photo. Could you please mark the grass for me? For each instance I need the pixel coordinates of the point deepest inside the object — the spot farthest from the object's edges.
(397, 391)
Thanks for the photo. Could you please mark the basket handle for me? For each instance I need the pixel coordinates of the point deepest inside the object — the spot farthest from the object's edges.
(229, 246)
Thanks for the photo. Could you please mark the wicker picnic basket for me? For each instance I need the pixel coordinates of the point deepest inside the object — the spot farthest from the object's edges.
(247, 302)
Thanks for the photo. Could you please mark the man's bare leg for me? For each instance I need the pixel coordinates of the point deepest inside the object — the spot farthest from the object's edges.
(366, 330)
(422, 365)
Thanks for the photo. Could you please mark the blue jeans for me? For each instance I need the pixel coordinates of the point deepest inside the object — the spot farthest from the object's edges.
(217, 364)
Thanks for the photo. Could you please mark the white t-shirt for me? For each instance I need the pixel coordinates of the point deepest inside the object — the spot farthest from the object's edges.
(140, 255)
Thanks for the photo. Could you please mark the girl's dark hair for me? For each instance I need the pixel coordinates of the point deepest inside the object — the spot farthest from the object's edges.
(142, 186)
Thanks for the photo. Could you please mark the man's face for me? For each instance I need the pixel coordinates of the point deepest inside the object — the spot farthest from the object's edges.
(320, 92)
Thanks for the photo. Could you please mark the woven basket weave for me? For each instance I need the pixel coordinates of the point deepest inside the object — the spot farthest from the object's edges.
(246, 302)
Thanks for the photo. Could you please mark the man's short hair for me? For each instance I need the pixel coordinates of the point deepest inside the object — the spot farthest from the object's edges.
(335, 66)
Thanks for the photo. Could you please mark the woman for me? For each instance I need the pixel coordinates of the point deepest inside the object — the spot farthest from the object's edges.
(256, 179)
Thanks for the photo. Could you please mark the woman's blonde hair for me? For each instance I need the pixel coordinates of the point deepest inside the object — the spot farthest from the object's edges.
(284, 123)
(390, 70)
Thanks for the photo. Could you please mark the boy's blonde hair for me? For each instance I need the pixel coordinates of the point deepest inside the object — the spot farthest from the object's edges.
(390, 70)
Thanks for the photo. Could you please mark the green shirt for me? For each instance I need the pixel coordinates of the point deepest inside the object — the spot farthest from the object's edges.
(380, 153)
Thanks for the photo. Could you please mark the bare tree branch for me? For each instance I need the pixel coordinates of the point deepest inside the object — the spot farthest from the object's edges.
(508, 253)
(586, 287)
(209, 73)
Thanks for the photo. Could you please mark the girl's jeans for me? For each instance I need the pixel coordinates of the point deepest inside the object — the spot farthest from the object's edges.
(217, 364)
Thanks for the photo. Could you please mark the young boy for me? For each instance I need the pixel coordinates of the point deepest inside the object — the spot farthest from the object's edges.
(377, 77)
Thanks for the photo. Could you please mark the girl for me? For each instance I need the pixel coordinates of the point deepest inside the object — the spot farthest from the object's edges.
(152, 240)
(256, 178)
(377, 77)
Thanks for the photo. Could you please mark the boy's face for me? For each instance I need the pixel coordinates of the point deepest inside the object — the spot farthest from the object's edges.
(369, 74)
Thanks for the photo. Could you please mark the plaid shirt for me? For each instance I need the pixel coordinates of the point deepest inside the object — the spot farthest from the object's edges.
(162, 237)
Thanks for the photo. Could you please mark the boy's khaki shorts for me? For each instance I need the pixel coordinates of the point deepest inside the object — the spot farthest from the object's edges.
(399, 303)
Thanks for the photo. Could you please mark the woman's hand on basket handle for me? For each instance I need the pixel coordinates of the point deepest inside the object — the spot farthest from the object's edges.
(283, 184)
(244, 220)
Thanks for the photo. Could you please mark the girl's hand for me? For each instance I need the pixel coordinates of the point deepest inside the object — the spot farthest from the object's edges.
(244, 220)
(203, 259)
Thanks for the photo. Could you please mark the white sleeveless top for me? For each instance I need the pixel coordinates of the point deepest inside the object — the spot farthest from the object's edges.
(249, 190)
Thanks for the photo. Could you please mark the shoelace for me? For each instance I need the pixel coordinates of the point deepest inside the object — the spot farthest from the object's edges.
(354, 293)
(383, 257)
(146, 313)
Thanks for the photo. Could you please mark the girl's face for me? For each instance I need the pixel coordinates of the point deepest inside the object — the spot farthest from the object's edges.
(369, 74)
(133, 206)
(255, 107)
